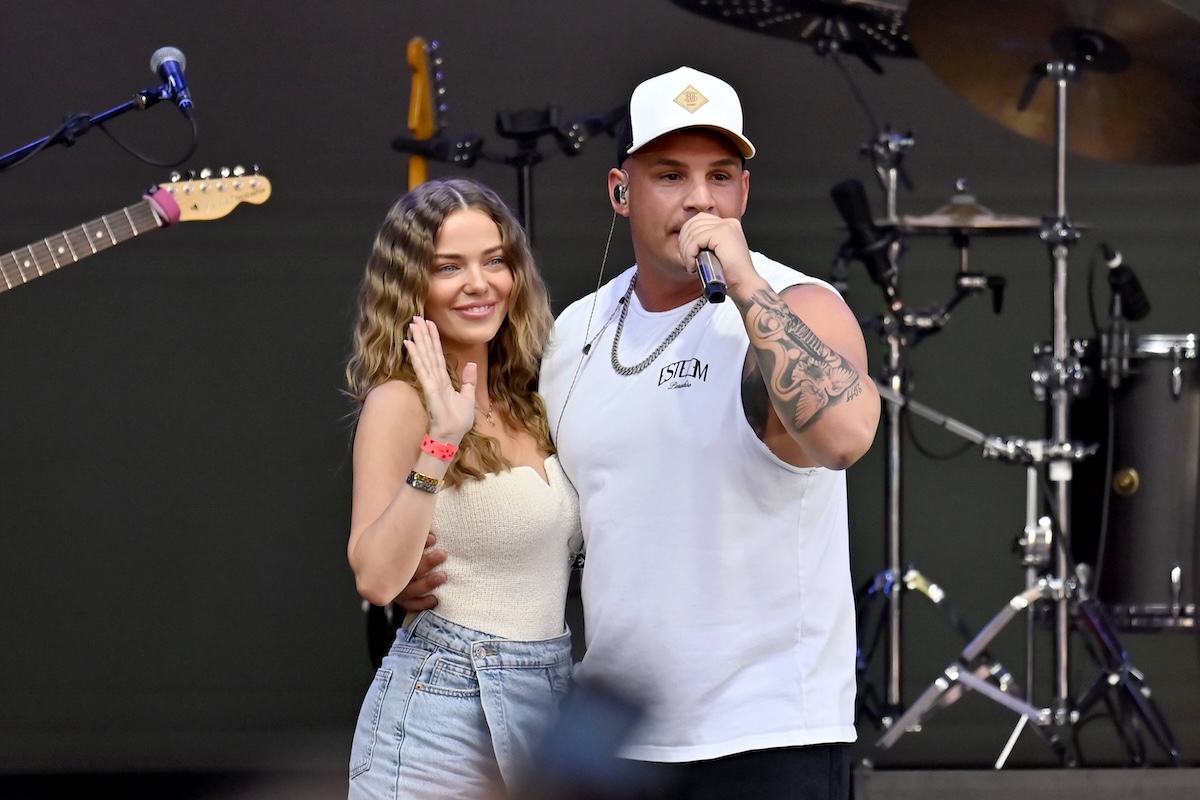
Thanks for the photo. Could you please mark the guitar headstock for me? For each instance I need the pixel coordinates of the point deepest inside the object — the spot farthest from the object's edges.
(426, 107)
(208, 195)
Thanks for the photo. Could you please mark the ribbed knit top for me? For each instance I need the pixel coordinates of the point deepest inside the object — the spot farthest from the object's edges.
(510, 538)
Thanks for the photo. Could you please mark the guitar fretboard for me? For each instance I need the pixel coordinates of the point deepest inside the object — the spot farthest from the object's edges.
(47, 255)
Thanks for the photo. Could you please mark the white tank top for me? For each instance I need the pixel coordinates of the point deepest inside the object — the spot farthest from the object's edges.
(510, 538)
(717, 587)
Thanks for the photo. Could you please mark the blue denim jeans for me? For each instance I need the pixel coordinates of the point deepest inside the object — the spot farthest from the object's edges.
(452, 712)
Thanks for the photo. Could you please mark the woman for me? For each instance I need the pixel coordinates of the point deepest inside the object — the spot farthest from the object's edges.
(452, 439)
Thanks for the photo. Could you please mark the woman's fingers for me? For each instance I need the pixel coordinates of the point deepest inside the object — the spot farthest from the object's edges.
(469, 377)
(448, 408)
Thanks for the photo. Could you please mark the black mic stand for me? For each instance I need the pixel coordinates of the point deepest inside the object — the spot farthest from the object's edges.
(526, 127)
(78, 124)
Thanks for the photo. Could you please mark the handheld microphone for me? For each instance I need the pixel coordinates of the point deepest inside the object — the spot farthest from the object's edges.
(867, 243)
(168, 63)
(712, 276)
(1125, 285)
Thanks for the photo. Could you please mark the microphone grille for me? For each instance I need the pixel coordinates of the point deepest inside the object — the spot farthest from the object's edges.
(165, 54)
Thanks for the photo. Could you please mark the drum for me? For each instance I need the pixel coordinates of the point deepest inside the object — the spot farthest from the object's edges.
(1147, 559)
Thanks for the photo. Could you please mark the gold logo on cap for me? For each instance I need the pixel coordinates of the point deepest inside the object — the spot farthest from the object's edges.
(690, 99)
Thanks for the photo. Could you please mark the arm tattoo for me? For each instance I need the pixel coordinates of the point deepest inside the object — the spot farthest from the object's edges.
(801, 375)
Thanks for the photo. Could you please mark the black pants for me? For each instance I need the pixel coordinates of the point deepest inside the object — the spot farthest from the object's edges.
(816, 772)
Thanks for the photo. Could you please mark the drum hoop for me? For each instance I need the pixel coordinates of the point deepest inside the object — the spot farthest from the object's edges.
(1158, 344)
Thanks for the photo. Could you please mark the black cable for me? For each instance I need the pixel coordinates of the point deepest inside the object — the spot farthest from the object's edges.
(925, 451)
(147, 159)
(1106, 494)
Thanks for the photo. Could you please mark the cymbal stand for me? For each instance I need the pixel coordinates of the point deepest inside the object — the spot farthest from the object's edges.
(1063, 381)
(526, 127)
(888, 153)
(902, 330)
(975, 669)
(1061, 385)
(892, 581)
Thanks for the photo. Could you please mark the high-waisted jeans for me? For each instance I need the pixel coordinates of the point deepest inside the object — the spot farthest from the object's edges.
(452, 711)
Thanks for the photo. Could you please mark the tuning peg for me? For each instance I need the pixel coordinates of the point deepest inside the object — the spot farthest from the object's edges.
(205, 174)
(225, 172)
(175, 176)
(191, 174)
(239, 171)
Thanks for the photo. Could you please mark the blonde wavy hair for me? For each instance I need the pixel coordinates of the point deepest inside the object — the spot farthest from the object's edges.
(393, 291)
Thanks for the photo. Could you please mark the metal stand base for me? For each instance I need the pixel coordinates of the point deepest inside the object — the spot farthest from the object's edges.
(974, 670)
(885, 589)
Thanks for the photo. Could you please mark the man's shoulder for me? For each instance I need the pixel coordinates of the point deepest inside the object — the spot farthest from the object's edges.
(780, 276)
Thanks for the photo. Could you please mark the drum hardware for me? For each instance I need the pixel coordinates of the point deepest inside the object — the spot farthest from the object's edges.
(880, 249)
(860, 28)
(980, 49)
(1068, 374)
(903, 330)
(892, 581)
(974, 669)
(1127, 303)
(887, 152)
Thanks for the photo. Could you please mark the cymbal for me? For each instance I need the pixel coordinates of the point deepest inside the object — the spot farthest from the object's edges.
(862, 28)
(963, 215)
(1133, 98)
(940, 221)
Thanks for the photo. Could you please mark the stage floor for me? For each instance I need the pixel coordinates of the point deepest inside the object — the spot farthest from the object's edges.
(1026, 784)
(869, 784)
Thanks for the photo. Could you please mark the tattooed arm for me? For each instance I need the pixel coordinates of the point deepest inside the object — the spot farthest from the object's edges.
(805, 387)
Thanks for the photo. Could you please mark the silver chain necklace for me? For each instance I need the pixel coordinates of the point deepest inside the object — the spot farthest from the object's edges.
(620, 368)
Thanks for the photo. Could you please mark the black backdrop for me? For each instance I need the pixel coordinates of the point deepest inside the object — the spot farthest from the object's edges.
(174, 471)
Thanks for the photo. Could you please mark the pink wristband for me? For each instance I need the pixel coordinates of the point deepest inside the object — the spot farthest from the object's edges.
(439, 450)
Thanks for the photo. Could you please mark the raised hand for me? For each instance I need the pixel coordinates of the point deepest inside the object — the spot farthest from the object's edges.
(451, 411)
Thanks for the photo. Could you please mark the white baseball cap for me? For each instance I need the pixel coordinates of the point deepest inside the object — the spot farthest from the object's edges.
(685, 98)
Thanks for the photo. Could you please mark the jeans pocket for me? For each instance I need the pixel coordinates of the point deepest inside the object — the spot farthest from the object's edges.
(449, 677)
(366, 731)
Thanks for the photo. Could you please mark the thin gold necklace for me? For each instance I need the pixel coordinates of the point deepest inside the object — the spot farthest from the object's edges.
(487, 414)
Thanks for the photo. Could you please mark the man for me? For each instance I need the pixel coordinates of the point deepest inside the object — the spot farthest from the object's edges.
(708, 443)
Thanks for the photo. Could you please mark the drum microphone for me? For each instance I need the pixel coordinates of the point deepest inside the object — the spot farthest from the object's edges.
(1134, 304)
(867, 243)
(712, 276)
(168, 63)
(1129, 303)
